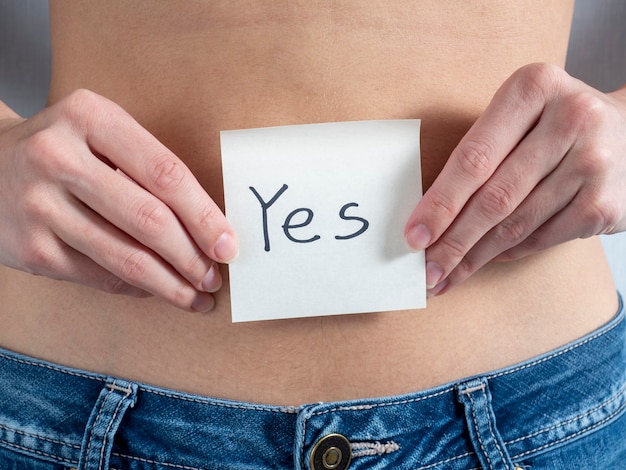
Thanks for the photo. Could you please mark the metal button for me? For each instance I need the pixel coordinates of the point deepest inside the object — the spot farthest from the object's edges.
(332, 452)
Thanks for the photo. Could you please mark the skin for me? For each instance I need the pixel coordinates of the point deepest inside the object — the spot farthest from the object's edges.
(114, 243)
(165, 240)
(540, 167)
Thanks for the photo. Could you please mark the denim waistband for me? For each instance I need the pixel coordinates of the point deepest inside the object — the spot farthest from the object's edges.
(46, 411)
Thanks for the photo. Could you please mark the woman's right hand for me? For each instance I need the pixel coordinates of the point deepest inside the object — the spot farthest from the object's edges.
(89, 196)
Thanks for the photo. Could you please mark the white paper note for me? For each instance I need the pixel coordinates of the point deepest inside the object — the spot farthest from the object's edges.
(320, 211)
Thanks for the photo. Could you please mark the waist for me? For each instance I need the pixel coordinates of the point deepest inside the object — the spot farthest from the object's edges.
(506, 313)
(586, 382)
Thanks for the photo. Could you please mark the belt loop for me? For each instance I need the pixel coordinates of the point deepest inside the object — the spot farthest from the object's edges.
(481, 423)
(114, 399)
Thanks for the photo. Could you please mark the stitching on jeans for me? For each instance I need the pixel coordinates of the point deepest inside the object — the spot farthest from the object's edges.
(95, 423)
(368, 449)
(108, 428)
(480, 440)
(467, 391)
(617, 321)
(615, 397)
(556, 354)
(491, 376)
(451, 459)
(285, 409)
(126, 390)
(491, 430)
(599, 334)
(51, 367)
(379, 405)
(42, 438)
(56, 458)
(302, 443)
(572, 436)
(430, 466)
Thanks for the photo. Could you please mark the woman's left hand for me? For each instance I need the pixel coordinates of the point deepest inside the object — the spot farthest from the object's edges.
(544, 164)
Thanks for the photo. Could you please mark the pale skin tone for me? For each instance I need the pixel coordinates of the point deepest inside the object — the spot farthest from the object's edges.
(543, 165)
(488, 202)
(115, 189)
(166, 239)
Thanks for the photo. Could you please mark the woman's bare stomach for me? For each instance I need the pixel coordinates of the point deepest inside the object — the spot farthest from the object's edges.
(208, 70)
(504, 314)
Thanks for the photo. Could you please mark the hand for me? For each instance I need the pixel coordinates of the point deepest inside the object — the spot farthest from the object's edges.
(89, 196)
(544, 164)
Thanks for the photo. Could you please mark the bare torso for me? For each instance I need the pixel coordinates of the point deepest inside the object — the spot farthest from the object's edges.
(187, 71)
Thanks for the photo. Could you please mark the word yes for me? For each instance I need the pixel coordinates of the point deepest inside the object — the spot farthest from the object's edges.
(288, 226)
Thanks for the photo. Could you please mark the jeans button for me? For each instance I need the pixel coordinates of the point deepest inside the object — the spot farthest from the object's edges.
(332, 452)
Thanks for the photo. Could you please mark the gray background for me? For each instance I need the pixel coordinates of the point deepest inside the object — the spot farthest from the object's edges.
(596, 55)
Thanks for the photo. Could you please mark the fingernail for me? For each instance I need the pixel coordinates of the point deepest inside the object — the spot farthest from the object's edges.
(213, 280)
(437, 289)
(226, 248)
(203, 303)
(418, 237)
(433, 274)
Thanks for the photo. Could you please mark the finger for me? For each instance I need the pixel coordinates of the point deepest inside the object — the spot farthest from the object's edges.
(116, 135)
(555, 231)
(549, 198)
(512, 113)
(117, 253)
(519, 175)
(145, 218)
(57, 260)
(583, 179)
(584, 217)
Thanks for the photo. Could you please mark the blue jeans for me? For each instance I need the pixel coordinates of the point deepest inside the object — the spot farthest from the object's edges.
(565, 409)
